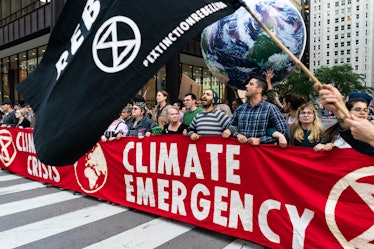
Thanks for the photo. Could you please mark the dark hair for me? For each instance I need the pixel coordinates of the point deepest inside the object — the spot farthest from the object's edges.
(238, 100)
(179, 103)
(350, 103)
(165, 93)
(193, 96)
(295, 100)
(261, 83)
(138, 98)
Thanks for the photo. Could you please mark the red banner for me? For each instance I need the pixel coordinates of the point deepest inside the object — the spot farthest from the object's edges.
(280, 198)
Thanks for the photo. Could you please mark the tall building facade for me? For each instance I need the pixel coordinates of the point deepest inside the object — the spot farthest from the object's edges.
(342, 32)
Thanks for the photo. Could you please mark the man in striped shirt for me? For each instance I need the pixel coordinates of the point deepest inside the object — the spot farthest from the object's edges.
(252, 120)
(210, 122)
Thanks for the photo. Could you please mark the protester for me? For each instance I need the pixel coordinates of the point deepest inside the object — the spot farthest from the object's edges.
(210, 121)
(235, 104)
(189, 102)
(141, 125)
(159, 113)
(175, 126)
(358, 132)
(126, 114)
(272, 95)
(116, 130)
(9, 118)
(179, 106)
(30, 114)
(224, 108)
(291, 102)
(250, 121)
(356, 106)
(307, 129)
(21, 115)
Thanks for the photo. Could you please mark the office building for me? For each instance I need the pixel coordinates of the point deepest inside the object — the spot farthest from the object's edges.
(342, 32)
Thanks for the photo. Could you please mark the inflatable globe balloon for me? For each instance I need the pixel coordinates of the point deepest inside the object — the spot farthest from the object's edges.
(236, 48)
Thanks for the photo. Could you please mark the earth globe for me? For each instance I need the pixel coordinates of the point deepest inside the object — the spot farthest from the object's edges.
(236, 48)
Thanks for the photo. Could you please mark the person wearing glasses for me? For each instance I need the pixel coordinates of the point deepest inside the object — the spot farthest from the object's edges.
(307, 129)
(141, 125)
(357, 107)
(358, 132)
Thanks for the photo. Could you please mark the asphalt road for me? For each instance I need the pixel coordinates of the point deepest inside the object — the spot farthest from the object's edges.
(34, 215)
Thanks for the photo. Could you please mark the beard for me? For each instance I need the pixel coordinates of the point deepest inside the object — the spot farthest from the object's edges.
(207, 103)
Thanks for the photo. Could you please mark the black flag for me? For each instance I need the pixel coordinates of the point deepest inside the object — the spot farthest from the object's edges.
(100, 53)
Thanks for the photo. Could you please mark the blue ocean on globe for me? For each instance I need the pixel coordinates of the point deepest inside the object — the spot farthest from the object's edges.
(236, 48)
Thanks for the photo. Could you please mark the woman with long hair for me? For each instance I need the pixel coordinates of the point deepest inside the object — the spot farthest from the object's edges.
(307, 130)
(159, 113)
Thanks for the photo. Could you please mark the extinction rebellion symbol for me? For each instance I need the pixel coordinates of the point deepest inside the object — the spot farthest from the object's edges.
(8, 150)
(116, 44)
(355, 181)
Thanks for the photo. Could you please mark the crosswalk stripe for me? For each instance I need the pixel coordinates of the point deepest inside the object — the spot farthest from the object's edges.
(36, 202)
(147, 235)
(42, 229)
(4, 178)
(20, 187)
(242, 244)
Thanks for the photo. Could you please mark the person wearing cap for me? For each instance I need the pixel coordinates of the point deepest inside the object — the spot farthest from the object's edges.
(355, 95)
(140, 125)
(358, 132)
(210, 121)
(250, 121)
(9, 119)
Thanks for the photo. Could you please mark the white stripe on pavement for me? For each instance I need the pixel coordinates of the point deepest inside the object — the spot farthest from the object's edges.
(145, 236)
(42, 229)
(35, 202)
(243, 244)
(9, 177)
(20, 187)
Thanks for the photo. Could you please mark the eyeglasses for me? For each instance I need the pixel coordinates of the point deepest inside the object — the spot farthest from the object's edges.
(306, 113)
(358, 109)
(135, 108)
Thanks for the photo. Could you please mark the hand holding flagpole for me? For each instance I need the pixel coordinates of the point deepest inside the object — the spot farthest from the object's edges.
(317, 84)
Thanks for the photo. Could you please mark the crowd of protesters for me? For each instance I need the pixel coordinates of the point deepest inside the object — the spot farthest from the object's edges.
(263, 118)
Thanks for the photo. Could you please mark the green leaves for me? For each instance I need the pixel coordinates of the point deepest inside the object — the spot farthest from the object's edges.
(341, 76)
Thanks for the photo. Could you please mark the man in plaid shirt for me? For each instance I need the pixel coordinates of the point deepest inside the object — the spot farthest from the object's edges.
(251, 121)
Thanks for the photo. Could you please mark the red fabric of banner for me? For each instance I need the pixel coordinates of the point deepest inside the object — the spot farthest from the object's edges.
(280, 198)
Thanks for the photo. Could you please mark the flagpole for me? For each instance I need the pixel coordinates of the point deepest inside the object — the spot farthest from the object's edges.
(317, 84)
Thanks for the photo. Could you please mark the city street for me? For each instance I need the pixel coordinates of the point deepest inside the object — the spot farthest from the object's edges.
(35, 215)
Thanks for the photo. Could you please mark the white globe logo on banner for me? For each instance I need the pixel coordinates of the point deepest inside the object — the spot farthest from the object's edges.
(366, 192)
(91, 171)
(123, 51)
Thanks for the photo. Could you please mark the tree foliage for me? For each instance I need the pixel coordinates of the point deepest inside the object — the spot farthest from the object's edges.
(341, 76)
(298, 82)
